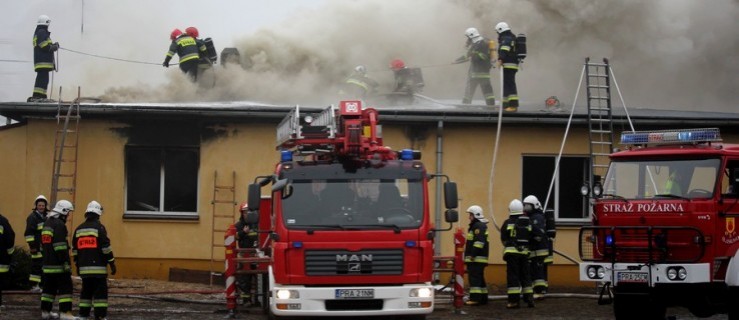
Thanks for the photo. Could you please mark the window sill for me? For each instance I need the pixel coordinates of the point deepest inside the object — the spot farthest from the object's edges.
(160, 217)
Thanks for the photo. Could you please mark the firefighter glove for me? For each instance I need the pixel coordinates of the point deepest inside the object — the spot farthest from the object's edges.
(54, 46)
(113, 269)
(166, 64)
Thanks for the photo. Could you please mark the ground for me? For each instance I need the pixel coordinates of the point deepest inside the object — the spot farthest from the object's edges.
(152, 299)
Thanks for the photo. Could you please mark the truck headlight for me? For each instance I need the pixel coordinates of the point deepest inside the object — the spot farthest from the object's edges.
(421, 292)
(682, 274)
(596, 272)
(287, 294)
(671, 273)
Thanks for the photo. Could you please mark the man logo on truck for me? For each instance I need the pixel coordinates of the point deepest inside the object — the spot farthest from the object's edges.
(353, 257)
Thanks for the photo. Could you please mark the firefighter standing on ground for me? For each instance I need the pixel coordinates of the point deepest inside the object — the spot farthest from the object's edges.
(92, 255)
(43, 58)
(508, 59)
(246, 237)
(515, 235)
(187, 49)
(478, 53)
(7, 247)
(57, 271)
(34, 225)
(476, 256)
(539, 245)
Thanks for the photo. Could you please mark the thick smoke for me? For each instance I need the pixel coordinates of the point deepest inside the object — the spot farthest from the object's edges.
(668, 54)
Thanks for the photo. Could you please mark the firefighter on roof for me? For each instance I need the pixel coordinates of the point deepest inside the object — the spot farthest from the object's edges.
(205, 65)
(478, 53)
(508, 59)
(358, 85)
(7, 247)
(247, 237)
(539, 245)
(476, 256)
(34, 225)
(43, 58)
(92, 255)
(515, 234)
(187, 49)
(57, 271)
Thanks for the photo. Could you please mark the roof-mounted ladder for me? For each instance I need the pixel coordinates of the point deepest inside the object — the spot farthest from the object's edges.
(600, 118)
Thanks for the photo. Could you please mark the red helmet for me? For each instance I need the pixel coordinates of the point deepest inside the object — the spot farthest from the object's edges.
(175, 33)
(192, 31)
(243, 206)
(397, 64)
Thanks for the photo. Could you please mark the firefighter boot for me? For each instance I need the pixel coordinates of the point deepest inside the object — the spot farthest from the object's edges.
(45, 315)
(67, 316)
(529, 299)
(512, 305)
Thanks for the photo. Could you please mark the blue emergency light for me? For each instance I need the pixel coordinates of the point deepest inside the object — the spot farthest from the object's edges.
(297, 244)
(671, 136)
(286, 156)
(410, 243)
(609, 240)
(406, 154)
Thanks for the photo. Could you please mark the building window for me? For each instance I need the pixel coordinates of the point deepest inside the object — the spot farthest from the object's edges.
(566, 201)
(161, 182)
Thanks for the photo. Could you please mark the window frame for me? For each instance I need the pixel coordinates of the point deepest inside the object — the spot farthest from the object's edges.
(554, 201)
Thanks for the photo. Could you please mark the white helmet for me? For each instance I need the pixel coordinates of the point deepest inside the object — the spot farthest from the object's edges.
(62, 207)
(502, 27)
(360, 69)
(476, 212)
(41, 198)
(532, 200)
(473, 34)
(516, 207)
(43, 20)
(94, 207)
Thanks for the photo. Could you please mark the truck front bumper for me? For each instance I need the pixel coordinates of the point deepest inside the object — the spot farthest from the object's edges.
(635, 273)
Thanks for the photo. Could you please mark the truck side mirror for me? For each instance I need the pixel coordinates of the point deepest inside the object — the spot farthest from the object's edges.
(451, 216)
(450, 195)
(254, 196)
(252, 217)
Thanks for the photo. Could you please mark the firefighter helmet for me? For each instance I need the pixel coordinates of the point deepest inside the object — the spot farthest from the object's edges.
(476, 211)
(43, 20)
(516, 207)
(175, 33)
(502, 27)
(94, 207)
(41, 198)
(192, 31)
(360, 70)
(532, 200)
(397, 64)
(243, 207)
(62, 207)
(473, 34)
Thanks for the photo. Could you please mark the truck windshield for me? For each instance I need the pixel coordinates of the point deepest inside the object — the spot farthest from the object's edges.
(354, 204)
(674, 179)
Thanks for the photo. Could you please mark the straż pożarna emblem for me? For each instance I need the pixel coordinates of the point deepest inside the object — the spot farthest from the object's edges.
(730, 226)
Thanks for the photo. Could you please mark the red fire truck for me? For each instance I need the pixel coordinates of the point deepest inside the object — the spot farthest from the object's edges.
(348, 222)
(664, 226)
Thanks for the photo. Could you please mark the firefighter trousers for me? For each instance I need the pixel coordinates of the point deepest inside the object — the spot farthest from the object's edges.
(510, 92)
(4, 281)
(517, 274)
(35, 276)
(42, 82)
(478, 287)
(94, 295)
(485, 86)
(57, 286)
(538, 274)
(190, 68)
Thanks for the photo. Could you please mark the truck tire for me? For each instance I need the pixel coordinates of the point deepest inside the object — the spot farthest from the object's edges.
(631, 306)
(732, 306)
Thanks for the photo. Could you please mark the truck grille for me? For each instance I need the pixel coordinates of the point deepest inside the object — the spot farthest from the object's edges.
(342, 262)
(642, 244)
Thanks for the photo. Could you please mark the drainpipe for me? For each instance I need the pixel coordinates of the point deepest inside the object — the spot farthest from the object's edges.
(439, 194)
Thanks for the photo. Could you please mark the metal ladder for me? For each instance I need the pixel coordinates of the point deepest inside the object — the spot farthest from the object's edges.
(221, 219)
(600, 118)
(64, 176)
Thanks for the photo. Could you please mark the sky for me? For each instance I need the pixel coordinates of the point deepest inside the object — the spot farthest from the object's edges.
(665, 54)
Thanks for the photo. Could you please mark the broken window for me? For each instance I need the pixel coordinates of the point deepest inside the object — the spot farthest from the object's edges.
(161, 181)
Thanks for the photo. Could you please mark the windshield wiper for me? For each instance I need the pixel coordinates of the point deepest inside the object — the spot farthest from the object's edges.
(395, 227)
(311, 228)
(670, 195)
(615, 196)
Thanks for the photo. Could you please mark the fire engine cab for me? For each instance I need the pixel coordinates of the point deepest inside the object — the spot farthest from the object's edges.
(347, 219)
(664, 225)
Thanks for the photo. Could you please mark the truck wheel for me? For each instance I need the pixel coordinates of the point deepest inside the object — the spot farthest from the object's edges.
(733, 307)
(629, 306)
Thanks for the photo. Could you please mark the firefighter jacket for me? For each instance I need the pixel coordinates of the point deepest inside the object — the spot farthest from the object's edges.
(186, 47)
(539, 244)
(478, 53)
(366, 85)
(477, 247)
(91, 249)
(246, 239)
(7, 244)
(43, 49)
(55, 247)
(34, 225)
(515, 235)
(507, 50)
(551, 226)
(203, 53)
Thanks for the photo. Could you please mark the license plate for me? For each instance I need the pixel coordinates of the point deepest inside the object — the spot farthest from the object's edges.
(355, 293)
(634, 277)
